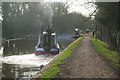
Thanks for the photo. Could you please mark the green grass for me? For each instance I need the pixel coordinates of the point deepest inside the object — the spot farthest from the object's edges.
(54, 69)
(101, 48)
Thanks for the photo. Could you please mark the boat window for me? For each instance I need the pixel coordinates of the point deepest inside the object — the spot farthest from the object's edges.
(52, 41)
(41, 42)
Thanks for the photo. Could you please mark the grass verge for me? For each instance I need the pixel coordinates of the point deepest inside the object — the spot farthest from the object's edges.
(101, 48)
(54, 69)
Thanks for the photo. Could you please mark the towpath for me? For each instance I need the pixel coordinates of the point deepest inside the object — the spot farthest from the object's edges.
(86, 63)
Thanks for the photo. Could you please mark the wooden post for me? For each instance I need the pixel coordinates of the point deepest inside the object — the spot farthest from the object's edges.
(96, 34)
(101, 34)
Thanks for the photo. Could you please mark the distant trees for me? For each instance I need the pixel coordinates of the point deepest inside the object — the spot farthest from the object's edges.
(21, 18)
(107, 18)
(25, 18)
(65, 22)
(13, 21)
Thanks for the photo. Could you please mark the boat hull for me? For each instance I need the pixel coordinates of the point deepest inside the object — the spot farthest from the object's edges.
(42, 51)
(75, 37)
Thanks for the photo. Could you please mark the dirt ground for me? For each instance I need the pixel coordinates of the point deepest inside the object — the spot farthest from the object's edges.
(86, 63)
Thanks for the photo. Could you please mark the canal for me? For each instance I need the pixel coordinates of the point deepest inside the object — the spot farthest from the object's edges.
(18, 59)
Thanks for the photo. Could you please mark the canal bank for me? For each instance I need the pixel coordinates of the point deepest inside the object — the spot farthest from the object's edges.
(85, 62)
(52, 67)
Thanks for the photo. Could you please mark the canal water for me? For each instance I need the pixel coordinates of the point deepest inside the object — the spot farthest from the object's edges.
(18, 59)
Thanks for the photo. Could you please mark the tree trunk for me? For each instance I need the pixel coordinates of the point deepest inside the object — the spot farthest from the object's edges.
(101, 34)
(118, 41)
(96, 34)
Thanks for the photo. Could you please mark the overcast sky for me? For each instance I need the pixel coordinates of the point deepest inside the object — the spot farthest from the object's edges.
(77, 5)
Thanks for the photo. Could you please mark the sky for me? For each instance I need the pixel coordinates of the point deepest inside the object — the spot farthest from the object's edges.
(82, 6)
(75, 5)
(78, 6)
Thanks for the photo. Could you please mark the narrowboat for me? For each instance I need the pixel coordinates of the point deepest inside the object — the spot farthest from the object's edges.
(47, 43)
(76, 34)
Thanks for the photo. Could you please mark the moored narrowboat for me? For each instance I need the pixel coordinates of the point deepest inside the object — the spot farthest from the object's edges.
(47, 43)
(76, 34)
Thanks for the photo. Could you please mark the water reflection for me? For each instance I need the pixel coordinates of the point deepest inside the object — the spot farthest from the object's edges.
(28, 60)
(15, 71)
(19, 60)
(19, 47)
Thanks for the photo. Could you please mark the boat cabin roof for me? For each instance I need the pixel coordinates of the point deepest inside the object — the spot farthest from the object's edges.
(53, 34)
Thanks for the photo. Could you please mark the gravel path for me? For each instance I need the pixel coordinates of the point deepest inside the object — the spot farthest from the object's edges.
(86, 63)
